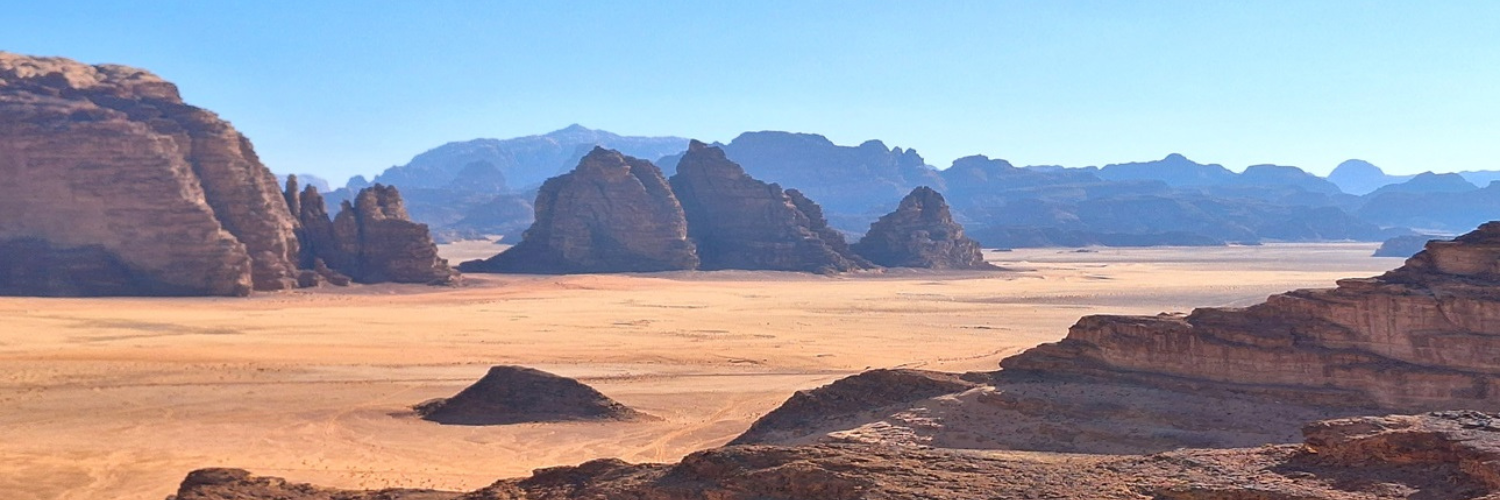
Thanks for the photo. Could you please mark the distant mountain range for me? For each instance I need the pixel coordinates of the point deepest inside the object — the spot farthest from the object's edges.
(486, 186)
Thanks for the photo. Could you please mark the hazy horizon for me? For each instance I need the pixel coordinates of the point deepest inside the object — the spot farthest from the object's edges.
(342, 88)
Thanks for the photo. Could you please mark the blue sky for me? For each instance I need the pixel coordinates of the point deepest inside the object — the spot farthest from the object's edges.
(341, 88)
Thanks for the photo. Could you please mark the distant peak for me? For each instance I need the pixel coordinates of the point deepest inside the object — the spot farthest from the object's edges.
(574, 128)
(694, 145)
(1175, 157)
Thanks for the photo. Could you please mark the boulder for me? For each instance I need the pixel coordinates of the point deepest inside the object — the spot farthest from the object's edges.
(516, 394)
(921, 233)
(612, 213)
(107, 168)
(738, 222)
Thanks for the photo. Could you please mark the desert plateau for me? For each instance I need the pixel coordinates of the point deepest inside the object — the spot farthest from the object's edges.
(120, 397)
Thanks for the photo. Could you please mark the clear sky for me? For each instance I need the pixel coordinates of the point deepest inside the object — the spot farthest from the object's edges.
(340, 88)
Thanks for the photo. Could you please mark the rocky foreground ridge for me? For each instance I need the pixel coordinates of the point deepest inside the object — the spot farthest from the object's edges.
(1424, 336)
(115, 186)
(1450, 455)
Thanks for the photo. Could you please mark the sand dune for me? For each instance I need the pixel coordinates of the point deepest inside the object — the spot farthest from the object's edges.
(118, 398)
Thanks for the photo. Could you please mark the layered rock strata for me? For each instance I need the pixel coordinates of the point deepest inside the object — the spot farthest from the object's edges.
(516, 394)
(738, 222)
(107, 169)
(612, 213)
(1422, 337)
(921, 233)
(1453, 455)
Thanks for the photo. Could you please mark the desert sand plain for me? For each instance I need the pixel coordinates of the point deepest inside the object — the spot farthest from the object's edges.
(120, 397)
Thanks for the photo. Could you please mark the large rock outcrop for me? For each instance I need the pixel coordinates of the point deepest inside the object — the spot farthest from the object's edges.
(738, 222)
(371, 240)
(1422, 337)
(118, 187)
(921, 233)
(516, 394)
(1438, 456)
(612, 213)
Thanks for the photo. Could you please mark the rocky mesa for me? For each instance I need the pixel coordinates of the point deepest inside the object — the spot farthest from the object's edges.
(738, 222)
(921, 233)
(612, 213)
(115, 186)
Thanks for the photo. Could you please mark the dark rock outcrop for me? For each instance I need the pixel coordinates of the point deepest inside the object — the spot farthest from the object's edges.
(1439, 456)
(106, 167)
(921, 233)
(516, 394)
(371, 240)
(612, 213)
(738, 222)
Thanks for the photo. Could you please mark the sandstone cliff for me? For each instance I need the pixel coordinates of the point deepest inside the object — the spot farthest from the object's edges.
(1435, 456)
(738, 222)
(1424, 336)
(921, 233)
(612, 213)
(118, 187)
(371, 240)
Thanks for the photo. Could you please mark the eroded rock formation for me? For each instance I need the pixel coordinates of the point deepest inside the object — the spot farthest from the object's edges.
(1422, 337)
(921, 233)
(372, 240)
(516, 394)
(612, 213)
(738, 222)
(107, 169)
(114, 186)
(1452, 455)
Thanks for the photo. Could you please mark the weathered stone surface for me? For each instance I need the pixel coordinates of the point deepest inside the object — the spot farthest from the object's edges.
(1435, 456)
(372, 240)
(1422, 337)
(921, 233)
(738, 222)
(846, 400)
(516, 394)
(109, 158)
(612, 213)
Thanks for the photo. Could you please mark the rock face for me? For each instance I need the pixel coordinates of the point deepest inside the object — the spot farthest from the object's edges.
(738, 222)
(108, 170)
(371, 240)
(1422, 337)
(612, 213)
(515, 394)
(921, 233)
(1440, 456)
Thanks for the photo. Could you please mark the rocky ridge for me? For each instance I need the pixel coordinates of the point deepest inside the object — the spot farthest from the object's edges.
(612, 213)
(1440, 456)
(921, 233)
(1421, 337)
(738, 222)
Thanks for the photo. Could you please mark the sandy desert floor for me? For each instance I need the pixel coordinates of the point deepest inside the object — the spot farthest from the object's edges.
(118, 398)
